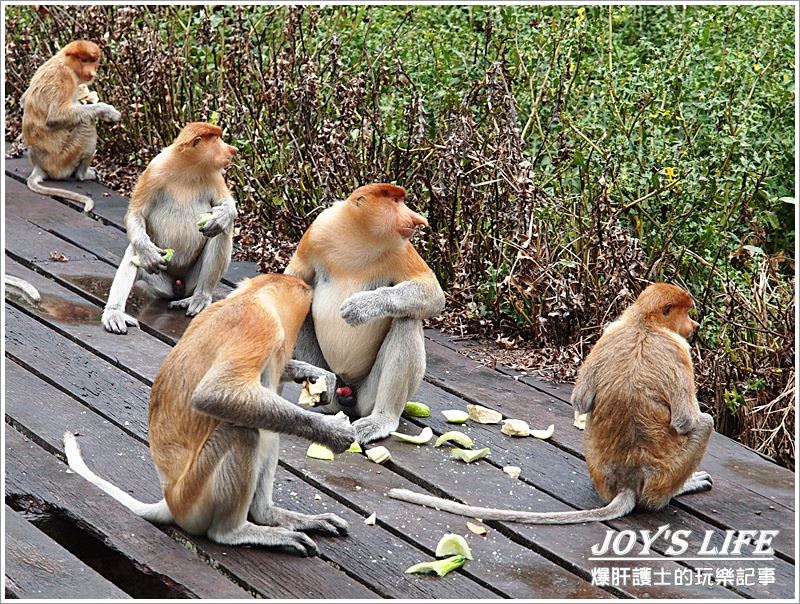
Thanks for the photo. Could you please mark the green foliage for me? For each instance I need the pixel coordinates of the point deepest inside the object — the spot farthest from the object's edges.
(563, 155)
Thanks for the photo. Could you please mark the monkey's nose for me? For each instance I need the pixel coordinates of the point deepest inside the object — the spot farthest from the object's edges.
(233, 149)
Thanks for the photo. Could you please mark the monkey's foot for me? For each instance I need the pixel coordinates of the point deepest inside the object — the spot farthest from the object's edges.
(193, 304)
(90, 174)
(373, 427)
(329, 524)
(116, 321)
(295, 542)
(698, 482)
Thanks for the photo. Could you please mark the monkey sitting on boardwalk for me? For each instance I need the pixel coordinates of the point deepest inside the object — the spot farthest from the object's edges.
(215, 419)
(180, 185)
(60, 133)
(645, 435)
(372, 291)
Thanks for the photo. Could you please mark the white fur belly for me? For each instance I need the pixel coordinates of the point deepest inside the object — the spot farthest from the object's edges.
(349, 351)
(177, 229)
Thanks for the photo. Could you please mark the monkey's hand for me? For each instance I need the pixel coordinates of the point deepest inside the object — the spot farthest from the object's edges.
(363, 306)
(116, 321)
(150, 257)
(106, 112)
(338, 433)
(222, 218)
(299, 372)
(193, 304)
(374, 427)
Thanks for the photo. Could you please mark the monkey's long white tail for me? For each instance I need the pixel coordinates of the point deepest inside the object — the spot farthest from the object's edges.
(154, 512)
(35, 184)
(28, 290)
(621, 505)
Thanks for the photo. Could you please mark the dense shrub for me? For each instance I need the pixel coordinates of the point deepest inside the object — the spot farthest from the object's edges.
(565, 156)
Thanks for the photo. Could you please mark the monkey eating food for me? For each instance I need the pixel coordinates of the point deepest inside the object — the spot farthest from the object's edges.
(180, 184)
(59, 131)
(645, 434)
(215, 419)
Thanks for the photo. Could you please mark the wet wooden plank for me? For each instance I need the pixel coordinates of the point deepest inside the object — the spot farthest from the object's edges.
(107, 204)
(39, 568)
(728, 503)
(75, 317)
(104, 238)
(114, 453)
(727, 458)
(32, 472)
(562, 475)
(518, 570)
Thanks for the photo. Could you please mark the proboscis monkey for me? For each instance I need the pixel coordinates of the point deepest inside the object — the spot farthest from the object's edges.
(645, 434)
(60, 132)
(215, 420)
(372, 291)
(183, 182)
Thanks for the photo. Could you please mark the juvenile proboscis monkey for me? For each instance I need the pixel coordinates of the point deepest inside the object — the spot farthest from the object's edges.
(179, 185)
(372, 290)
(215, 420)
(645, 434)
(60, 132)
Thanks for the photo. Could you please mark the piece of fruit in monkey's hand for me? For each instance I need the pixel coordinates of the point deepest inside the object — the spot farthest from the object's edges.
(204, 218)
(166, 256)
(311, 391)
(86, 96)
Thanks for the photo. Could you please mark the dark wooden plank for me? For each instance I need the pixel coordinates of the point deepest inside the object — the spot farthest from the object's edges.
(73, 316)
(30, 471)
(105, 238)
(109, 390)
(38, 568)
(730, 504)
(426, 468)
(33, 404)
(518, 570)
(71, 368)
(564, 476)
(107, 204)
(725, 457)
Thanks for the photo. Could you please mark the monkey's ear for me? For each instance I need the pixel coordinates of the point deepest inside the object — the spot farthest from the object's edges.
(196, 141)
(666, 309)
(360, 200)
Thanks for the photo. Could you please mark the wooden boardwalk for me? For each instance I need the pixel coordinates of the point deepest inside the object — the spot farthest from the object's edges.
(66, 539)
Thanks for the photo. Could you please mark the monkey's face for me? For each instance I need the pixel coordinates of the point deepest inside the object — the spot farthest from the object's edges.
(678, 320)
(390, 217)
(83, 58)
(213, 152)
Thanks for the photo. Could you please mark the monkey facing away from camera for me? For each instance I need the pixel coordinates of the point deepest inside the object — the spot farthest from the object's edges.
(215, 419)
(372, 290)
(183, 182)
(645, 434)
(60, 133)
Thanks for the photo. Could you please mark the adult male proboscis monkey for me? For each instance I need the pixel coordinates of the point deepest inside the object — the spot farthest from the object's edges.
(180, 185)
(215, 419)
(645, 434)
(60, 133)
(372, 290)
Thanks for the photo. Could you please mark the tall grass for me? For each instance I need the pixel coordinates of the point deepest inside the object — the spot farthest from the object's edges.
(564, 156)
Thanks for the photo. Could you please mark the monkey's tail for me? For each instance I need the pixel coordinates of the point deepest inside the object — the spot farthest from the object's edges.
(154, 512)
(621, 505)
(35, 184)
(25, 288)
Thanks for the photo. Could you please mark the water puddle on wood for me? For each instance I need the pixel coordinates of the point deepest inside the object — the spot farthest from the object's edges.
(59, 309)
(100, 286)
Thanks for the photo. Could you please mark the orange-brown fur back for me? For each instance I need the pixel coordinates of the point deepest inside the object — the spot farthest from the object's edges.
(638, 365)
(256, 324)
